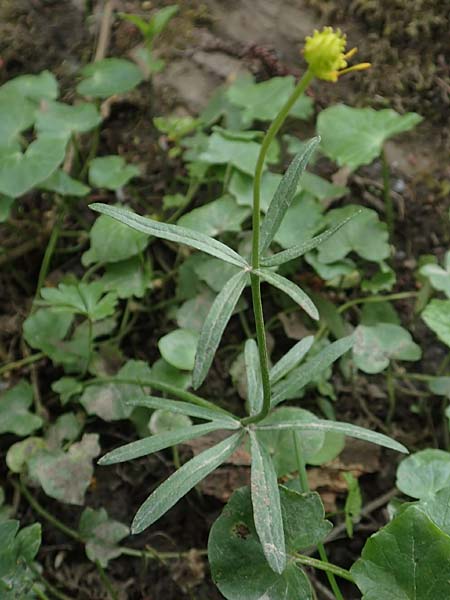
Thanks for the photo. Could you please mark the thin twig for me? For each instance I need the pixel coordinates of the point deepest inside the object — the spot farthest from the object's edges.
(105, 30)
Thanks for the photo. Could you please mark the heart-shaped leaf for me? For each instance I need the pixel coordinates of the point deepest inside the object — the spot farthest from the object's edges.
(238, 564)
(108, 77)
(20, 172)
(111, 172)
(408, 559)
(15, 416)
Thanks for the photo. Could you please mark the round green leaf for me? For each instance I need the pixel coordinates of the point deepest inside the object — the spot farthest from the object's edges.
(424, 473)
(108, 77)
(178, 348)
(165, 420)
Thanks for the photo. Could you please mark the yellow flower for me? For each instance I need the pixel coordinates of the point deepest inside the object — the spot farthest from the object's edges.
(325, 54)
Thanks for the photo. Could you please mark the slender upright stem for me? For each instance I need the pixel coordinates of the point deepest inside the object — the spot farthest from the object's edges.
(256, 223)
(49, 251)
(304, 485)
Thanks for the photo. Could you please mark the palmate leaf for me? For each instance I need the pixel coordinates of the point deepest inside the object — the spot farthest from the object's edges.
(214, 326)
(284, 195)
(267, 506)
(291, 386)
(292, 290)
(296, 251)
(160, 441)
(172, 233)
(182, 481)
(345, 428)
(184, 408)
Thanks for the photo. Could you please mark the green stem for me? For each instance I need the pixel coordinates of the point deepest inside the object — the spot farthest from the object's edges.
(49, 251)
(23, 362)
(160, 386)
(388, 204)
(380, 298)
(304, 484)
(256, 224)
(46, 515)
(154, 554)
(51, 588)
(323, 566)
(105, 581)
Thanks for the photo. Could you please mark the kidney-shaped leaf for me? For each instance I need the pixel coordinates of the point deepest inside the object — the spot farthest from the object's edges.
(365, 234)
(57, 119)
(66, 475)
(409, 559)
(111, 172)
(178, 348)
(355, 136)
(376, 345)
(424, 473)
(108, 77)
(20, 172)
(101, 535)
(15, 415)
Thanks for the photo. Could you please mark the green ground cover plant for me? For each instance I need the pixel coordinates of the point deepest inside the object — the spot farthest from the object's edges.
(273, 226)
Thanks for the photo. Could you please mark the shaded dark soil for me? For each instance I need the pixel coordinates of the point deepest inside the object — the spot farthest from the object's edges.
(60, 36)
